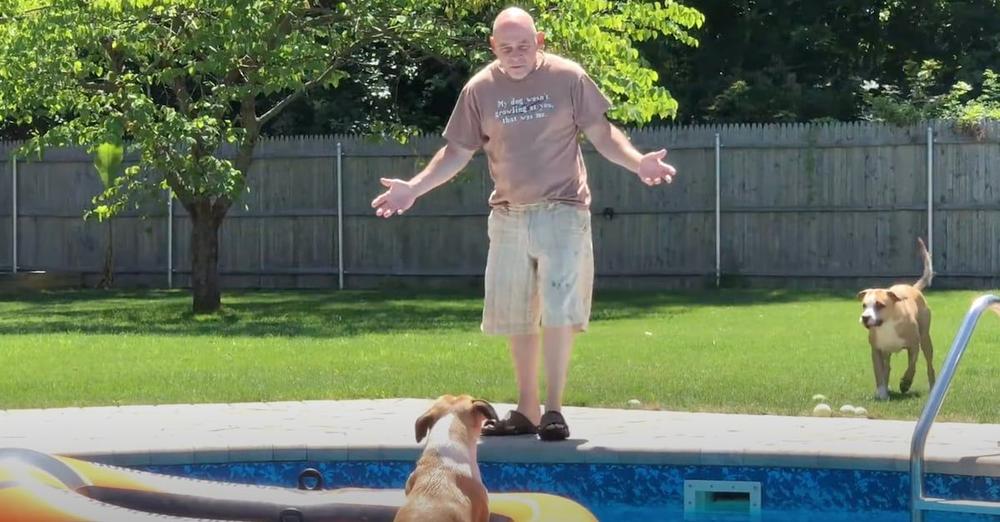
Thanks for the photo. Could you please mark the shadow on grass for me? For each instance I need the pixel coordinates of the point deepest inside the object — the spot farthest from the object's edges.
(320, 313)
(619, 304)
(909, 396)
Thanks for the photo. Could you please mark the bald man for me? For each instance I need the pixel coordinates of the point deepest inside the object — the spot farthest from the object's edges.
(525, 110)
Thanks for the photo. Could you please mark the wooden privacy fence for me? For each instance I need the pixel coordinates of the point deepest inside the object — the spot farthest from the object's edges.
(826, 204)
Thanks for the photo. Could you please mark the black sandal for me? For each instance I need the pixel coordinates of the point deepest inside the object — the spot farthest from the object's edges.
(553, 427)
(515, 423)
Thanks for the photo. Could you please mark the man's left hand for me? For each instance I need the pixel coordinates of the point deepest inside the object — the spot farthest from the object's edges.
(652, 169)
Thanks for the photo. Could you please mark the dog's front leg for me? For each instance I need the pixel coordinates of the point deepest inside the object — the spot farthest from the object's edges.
(880, 364)
(911, 369)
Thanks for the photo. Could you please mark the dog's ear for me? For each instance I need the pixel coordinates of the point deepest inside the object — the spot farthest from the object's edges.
(892, 295)
(863, 293)
(485, 409)
(426, 421)
(424, 424)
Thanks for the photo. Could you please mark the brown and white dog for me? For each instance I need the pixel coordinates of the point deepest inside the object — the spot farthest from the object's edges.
(446, 485)
(898, 317)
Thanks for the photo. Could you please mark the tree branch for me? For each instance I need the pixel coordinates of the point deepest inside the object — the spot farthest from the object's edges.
(100, 86)
(183, 96)
(244, 154)
(281, 28)
(280, 106)
(176, 185)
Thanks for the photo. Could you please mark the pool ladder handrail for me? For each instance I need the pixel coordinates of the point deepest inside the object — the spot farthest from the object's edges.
(918, 502)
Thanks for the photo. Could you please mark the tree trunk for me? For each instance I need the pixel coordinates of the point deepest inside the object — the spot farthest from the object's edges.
(205, 258)
(108, 275)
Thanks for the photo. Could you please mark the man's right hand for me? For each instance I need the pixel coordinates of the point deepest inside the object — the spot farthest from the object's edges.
(397, 199)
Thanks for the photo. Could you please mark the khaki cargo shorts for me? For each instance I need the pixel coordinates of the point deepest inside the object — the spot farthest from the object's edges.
(539, 270)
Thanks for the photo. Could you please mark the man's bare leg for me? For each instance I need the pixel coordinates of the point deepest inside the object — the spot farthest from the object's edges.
(558, 346)
(524, 352)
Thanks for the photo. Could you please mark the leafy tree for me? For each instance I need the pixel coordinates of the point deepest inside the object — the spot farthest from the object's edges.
(758, 61)
(601, 34)
(190, 85)
(419, 92)
(793, 60)
(924, 100)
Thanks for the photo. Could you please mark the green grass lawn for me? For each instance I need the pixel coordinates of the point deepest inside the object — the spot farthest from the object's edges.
(737, 351)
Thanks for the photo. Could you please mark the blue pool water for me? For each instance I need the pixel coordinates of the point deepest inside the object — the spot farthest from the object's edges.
(627, 493)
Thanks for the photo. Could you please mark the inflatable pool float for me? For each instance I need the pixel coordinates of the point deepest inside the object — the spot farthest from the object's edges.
(39, 487)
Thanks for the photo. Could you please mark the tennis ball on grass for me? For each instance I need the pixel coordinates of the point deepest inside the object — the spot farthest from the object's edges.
(822, 410)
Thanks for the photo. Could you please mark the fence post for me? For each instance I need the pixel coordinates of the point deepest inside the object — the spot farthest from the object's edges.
(340, 217)
(718, 211)
(930, 190)
(170, 238)
(13, 213)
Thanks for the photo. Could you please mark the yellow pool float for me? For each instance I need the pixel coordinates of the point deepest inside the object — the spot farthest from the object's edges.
(39, 487)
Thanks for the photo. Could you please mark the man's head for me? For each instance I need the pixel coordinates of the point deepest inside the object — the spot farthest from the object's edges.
(516, 42)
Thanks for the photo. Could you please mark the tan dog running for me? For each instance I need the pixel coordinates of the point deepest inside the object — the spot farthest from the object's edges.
(446, 485)
(898, 317)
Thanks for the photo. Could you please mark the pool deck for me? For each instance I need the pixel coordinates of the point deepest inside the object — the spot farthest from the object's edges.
(383, 430)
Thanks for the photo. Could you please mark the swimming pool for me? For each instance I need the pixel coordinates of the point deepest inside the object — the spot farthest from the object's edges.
(628, 493)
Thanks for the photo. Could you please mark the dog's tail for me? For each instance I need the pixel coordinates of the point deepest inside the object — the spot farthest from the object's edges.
(928, 275)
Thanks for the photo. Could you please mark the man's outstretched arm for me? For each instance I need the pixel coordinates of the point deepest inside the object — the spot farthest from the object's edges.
(612, 143)
(400, 195)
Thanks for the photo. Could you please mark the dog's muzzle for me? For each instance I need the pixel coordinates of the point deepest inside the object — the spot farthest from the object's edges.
(868, 322)
(487, 409)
